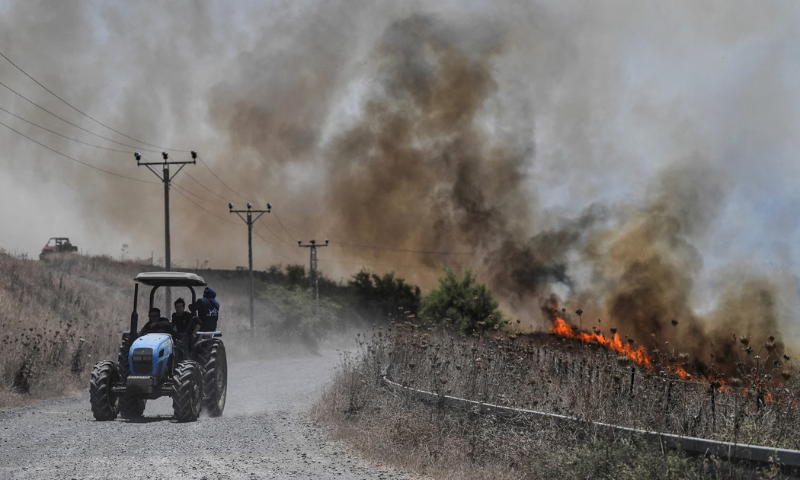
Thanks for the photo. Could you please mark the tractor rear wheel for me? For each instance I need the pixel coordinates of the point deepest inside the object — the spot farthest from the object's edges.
(188, 397)
(214, 362)
(105, 405)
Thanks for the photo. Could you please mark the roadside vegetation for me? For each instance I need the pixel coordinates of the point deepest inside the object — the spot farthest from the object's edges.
(472, 357)
(60, 316)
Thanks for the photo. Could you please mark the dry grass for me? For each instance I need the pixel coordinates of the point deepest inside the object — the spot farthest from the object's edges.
(54, 327)
(542, 373)
(60, 316)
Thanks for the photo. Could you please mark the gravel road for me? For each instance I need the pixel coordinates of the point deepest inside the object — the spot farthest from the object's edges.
(264, 433)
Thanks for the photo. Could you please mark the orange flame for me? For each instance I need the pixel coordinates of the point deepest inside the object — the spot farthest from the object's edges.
(638, 354)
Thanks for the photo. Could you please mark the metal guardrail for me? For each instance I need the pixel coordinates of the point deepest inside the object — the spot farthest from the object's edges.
(727, 450)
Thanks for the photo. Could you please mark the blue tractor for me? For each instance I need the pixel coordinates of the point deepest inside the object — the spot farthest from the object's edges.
(162, 364)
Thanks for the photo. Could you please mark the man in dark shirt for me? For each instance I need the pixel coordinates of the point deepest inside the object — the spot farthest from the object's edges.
(183, 322)
(207, 308)
(156, 323)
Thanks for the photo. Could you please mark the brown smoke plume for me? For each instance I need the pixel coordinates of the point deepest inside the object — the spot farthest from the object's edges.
(414, 130)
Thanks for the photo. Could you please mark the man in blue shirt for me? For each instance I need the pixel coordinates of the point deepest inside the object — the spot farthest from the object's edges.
(207, 309)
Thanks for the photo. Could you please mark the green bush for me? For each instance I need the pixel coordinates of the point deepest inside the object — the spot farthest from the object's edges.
(463, 301)
(380, 297)
(294, 314)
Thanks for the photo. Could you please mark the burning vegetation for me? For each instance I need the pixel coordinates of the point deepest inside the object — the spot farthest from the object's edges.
(587, 375)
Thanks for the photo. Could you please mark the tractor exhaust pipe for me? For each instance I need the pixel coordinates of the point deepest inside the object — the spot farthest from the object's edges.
(135, 313)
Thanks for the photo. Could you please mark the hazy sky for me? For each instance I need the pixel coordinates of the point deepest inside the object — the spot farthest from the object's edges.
(600, 98)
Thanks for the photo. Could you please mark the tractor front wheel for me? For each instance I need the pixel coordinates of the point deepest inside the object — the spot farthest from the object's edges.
(188, 397)
(105, 405)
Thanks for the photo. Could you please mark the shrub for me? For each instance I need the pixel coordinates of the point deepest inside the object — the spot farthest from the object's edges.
(463, 301)
(384, 296)
(294, 314)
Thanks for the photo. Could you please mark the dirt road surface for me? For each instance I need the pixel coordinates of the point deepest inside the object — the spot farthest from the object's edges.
(264, 433)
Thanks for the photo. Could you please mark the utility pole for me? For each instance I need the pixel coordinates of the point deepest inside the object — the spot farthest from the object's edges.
(166, 179)
(250, 221)
(312, 273)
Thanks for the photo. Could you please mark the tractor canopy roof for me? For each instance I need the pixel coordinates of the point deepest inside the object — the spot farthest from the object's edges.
(170, 279)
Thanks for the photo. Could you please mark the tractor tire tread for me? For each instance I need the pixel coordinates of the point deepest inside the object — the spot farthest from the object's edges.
(213, 361)
(103, 408)
(187, 408)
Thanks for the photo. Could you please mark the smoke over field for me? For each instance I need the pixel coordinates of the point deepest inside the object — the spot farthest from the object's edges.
(626, 160)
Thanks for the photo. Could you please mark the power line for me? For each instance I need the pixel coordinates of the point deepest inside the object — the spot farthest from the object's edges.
(63, 136)
(70, 123)
(378, 264)
(86, 114)
(206, 188)
(343, 244)
(275, 247)
(284, 228)
(375, 247)
(75, 159)
(220, 181)
(271, 245)
(186, 190)
(178, 191)
(273, 233)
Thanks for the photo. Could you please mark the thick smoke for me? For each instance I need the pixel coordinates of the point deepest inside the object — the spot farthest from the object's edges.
(556, 144)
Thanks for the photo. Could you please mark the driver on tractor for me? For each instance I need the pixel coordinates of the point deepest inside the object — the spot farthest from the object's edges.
(156, 323)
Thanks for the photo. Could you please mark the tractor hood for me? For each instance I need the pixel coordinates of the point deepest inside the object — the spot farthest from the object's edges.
(149, 354)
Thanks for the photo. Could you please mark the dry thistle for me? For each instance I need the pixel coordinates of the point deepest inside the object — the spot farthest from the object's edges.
(744, 340)
(786, 357)
(613, 330)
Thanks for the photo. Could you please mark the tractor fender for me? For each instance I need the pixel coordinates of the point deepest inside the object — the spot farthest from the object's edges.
(205, 337)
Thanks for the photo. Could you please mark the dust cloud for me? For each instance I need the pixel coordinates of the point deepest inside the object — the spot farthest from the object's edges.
(616, 156)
